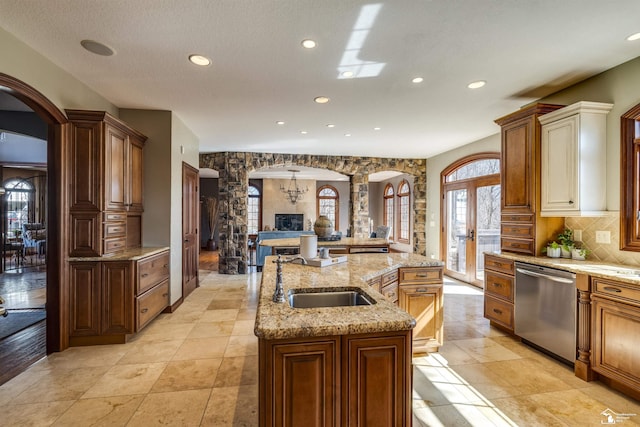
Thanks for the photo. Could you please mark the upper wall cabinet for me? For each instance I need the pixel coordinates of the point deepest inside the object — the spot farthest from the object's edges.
(573, 160)
(630, 180)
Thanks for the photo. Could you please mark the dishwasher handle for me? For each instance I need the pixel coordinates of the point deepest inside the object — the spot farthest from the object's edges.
(545, 276)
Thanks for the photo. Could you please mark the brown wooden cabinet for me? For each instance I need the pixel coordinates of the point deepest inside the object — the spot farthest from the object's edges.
(499, 287)
(630, 180)
(112, 299)
(106, 198)
(420, 295)
(616, 333)
(352, 380)
(523, 230)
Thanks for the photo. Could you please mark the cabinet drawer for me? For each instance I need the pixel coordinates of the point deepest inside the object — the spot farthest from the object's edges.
(152, 271)
(498, 285)
(114, 245)
(528, 218)
(611, 289)
(115, 216)
(389, 277)
(114, 230)
(524, 246)
(517, 230)
(151, 303)
(375, 283)
(420, 275)
(498, 311)
(496, 263)
(390, 291)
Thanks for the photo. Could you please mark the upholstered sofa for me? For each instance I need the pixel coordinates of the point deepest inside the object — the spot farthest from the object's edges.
(263, 251)
(34, 238)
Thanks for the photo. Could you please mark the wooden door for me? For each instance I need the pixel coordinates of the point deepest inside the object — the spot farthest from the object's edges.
(84, 299)
(190, 221)
(116, 173)
(117, 298)
(423, 302)
(135, 176)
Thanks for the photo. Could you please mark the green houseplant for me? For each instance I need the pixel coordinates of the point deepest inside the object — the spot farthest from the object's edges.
(566, 242)
(553, 250)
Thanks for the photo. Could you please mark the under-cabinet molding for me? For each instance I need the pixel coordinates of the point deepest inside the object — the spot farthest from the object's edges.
(573, 160)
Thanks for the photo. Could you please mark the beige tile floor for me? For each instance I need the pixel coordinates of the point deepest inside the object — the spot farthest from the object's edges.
(198, 366)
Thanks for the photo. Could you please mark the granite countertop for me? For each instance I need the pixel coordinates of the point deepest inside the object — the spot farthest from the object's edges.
(129, 255)
(619, 272)
(280, 320)
(345, 241)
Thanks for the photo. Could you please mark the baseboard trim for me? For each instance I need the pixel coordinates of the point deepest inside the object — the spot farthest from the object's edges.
(173, 307)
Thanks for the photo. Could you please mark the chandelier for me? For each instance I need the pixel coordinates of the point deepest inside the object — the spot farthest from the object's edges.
(293, 193)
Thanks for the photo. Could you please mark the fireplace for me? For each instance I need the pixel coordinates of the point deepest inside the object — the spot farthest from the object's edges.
(289, 222)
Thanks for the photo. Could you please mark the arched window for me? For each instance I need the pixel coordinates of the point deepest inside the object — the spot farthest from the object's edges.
(404, 198)
(254, 211)
(389, 206)
(19, 200)
(328, 204)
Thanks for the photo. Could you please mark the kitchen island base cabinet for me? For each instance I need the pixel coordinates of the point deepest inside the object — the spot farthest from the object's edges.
(353, 380)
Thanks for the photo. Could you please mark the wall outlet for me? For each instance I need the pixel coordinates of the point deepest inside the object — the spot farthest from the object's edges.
(577, 235)
(603, 237)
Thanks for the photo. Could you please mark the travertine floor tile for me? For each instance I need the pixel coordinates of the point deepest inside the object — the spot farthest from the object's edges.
(123, 380)
(202, 348)
(149, 352)
(220, 315)
(100, 412)
(243, 327)
(34, 414)
(243, 345)
(180, 408)
(237, 371)
(212, 329)
(188, 375)
(61, 384)
(486, 350)
(232, 406)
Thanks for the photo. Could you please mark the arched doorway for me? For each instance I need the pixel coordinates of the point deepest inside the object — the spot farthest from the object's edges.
(470, 215)
(56, 294)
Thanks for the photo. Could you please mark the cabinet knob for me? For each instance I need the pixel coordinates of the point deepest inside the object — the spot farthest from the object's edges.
(166, 294)
(144, 275)
(495, 310)
(570, 202)
(144, 310)
(497, 285)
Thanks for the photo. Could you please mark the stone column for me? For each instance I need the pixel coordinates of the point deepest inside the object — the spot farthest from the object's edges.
(359, 186)
(420, 214)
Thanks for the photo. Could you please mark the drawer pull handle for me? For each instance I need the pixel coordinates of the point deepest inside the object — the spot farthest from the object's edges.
(495, 310)
(610, 289)
(144, 310)
(165, 266)
(422, 275)
(166, 294)
(499, 264)
(144, 275)
(422, 290)
(497, 285)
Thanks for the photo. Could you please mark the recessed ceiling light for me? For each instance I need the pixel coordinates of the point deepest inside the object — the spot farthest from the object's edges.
(376, 128)
(321, 99)
(97, 48)
(347, 74)
(417, 80)
(476, 85)
(200, 60)
(308, 44)
(331, 125)
(347, 134)
(304, 132)
(280, 122)
(634, 37)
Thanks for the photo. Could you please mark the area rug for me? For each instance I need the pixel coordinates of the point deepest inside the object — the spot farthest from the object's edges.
(18, 320)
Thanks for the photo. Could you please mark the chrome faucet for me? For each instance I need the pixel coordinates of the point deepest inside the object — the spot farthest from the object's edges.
(278, 293)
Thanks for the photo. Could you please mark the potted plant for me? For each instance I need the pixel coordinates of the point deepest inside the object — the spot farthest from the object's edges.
(566, 242)
(211, 207)
(580, 254)
(553, 250)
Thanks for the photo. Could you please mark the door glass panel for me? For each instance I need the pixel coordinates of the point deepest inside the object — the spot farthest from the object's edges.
(456, 230)
(487, 224)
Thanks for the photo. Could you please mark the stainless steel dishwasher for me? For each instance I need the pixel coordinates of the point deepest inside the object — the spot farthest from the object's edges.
(545, 309)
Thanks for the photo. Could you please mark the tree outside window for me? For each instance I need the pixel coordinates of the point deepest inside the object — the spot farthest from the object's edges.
(254, 213)
(388, 200)
(328, 204)
(404, 196)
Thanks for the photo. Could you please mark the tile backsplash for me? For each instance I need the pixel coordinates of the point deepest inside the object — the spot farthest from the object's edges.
(609, 252)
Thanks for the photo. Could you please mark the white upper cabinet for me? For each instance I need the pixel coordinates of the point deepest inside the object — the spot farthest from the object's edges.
(573, 160)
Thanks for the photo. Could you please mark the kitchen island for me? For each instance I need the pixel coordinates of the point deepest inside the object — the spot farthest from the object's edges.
(340, 365)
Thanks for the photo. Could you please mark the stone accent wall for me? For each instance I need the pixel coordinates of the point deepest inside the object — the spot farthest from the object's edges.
(234, 169)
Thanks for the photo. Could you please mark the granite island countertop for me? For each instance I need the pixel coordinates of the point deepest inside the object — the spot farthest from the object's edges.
(345, 241)
(281, 321)
(620, 272)
(128, 255)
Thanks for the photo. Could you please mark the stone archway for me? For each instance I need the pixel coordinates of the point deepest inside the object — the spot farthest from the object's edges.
(234, 169)
(57, 291)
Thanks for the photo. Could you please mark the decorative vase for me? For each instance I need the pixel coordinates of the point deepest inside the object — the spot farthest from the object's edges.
(553, 252)
(566, 251)
(323, 226)
(211, 245)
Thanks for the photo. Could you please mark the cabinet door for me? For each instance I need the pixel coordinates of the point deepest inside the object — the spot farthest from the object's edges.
(424, 303)
(84, 297)
(300, 383)
(518, 167)
(134, 196)
(115, 169)
(559, 177)
(377, 381)
(117, 298)
(615, 341)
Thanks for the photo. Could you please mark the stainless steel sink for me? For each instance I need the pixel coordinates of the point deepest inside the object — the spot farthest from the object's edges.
(327, 298)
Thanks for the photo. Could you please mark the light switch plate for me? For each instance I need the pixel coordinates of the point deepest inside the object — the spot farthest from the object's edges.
(603, 237)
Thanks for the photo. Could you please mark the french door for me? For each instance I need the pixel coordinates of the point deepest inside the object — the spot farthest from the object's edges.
(470, 222)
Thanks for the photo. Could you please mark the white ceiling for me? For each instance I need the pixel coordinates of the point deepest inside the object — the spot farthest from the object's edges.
(261, 74)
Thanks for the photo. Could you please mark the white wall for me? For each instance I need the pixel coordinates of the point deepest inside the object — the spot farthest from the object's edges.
(273, 201)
